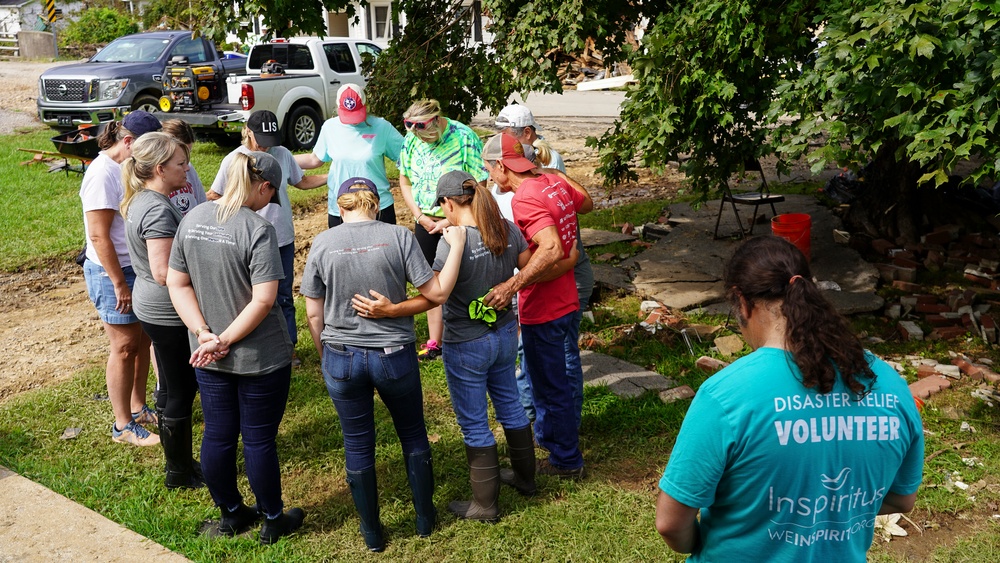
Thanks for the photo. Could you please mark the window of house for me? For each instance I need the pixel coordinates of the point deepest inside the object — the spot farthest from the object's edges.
(381, 22)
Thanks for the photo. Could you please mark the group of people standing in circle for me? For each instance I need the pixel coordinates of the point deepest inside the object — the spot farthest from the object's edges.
(210, 287)
(501, 274)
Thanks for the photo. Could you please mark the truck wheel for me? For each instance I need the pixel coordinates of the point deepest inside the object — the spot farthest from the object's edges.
(302, 128)
(146, 103)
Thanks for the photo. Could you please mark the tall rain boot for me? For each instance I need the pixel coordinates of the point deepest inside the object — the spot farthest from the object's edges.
(420, 472)
(521, 447)
(175, 435)
(364, 491)
(484, 476)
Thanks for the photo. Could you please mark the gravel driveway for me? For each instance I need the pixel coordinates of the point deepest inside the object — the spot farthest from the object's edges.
(18, 90)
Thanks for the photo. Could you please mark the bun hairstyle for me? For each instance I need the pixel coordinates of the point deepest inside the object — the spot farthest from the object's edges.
(771, 269)
(148, 152)
(361, 200)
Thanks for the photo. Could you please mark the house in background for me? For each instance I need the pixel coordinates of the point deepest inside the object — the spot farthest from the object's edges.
(19, 15)
(374, 22)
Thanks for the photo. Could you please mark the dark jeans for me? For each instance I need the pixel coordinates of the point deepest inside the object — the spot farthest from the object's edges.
(251, 406)
(387, 215)
(352, 376)
(177, 383)
(555, 420)
(286, 300)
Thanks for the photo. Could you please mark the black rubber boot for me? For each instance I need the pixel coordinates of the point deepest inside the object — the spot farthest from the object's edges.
(175, 435)
(364, 491)
(239, 520)
(484, 475)
(521, 447)
(289, 521)
(420, 472)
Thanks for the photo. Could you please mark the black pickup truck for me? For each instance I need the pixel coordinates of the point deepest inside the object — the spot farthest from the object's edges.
(124, 76)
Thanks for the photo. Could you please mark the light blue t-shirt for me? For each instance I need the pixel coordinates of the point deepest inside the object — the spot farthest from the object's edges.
(358, 150)
(784, 473)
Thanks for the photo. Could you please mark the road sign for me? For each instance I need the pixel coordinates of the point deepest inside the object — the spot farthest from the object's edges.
(50, 11)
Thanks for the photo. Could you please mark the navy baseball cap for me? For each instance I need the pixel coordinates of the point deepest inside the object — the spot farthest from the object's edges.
(354, 184)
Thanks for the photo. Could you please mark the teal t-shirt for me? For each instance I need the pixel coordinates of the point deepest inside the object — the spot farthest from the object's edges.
(783, 473)
(459, 148)
(358, 150)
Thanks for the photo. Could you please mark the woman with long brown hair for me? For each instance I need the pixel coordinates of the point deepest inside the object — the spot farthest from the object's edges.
(790, 452)
(480, 343)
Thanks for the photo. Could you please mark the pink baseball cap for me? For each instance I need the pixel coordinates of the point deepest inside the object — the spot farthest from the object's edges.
(351, 104)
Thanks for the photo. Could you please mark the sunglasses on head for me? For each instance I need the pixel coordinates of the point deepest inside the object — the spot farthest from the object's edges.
(418, 125)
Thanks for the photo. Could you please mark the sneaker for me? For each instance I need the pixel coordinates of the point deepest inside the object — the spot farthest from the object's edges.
(296, 362)
(273, 529)
(429, 351)
(543, 467)
(134, 434)
(145, 416)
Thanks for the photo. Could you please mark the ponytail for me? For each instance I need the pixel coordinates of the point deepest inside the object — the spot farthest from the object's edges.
(113, 132)
(486, 213)
(771, 269)
(543, 152)
(148, 152)
(239, 185)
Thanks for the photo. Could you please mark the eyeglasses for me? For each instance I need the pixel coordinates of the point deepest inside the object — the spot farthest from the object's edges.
(419, 125)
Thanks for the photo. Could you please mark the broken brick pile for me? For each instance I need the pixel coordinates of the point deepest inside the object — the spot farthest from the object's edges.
(957, 313)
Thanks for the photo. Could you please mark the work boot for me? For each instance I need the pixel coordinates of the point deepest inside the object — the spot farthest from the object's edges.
(521, 447)
(239, 520)
(364, 491)
(273, 529)
(175, 436)
(420, 473)
(484, 476)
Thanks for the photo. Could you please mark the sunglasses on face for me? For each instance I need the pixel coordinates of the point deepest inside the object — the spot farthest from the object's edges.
(418, 125)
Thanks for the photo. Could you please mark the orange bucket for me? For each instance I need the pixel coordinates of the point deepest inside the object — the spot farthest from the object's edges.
(796, 228)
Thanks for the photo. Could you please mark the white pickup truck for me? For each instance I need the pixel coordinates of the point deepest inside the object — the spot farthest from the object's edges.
(302, 98)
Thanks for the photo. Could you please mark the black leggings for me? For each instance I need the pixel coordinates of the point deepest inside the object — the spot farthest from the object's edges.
(428, 242)
(387, 215)
(177, 381)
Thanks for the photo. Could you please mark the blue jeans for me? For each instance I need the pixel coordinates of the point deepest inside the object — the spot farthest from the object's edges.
(251, 406)
(475, 367)
(555, 421)
(571, 349)
(285, 298)
(352, 375)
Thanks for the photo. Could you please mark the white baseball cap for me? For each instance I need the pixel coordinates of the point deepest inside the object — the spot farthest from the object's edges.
(515, 115)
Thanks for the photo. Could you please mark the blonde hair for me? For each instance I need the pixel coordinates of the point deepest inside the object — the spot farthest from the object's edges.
(362, 200)
(245, 138)
(425, 110)
(543, 152)
(180, 130)
(148, 152)
(240, 183)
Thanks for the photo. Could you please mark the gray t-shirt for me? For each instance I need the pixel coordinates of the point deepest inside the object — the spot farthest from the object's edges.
(225, 261)
(353, 258)
(150, 216)
(480, 271)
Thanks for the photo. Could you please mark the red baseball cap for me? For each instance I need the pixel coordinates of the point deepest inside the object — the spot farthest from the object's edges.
(508, 150)
(351, 104)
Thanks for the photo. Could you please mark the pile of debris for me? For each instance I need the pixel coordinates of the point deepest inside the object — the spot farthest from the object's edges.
(958, 312)
(573, 69)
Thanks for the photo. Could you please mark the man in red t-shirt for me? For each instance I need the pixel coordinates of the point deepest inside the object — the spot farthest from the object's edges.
(545, 208)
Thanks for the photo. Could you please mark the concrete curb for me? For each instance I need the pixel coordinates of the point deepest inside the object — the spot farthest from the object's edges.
(37, 524)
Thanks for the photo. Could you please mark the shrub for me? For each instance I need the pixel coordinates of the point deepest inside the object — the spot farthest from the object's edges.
(97, 26)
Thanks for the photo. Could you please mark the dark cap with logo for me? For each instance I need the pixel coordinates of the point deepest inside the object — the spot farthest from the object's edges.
(264, 125)
(267, 167)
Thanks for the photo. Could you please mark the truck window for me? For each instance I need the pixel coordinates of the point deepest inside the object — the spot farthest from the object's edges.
(132, 49)
(193, 49)
(290, 55)
(338, 57)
